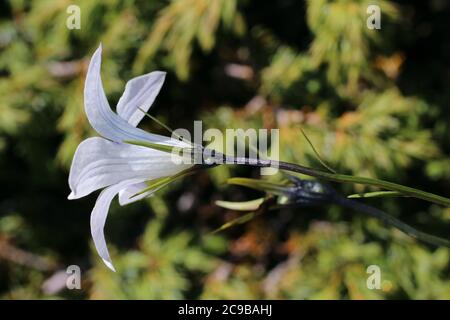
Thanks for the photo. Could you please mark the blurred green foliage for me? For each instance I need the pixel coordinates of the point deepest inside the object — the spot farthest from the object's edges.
(373, 102)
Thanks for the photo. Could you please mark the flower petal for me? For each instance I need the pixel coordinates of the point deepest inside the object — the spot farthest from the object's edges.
(126, 195)
(98, 219)
(103, 119)
(130, 194)
(140, 93)
(99, 163)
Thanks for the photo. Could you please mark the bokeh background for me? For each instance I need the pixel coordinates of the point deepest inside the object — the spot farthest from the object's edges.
(373, 102)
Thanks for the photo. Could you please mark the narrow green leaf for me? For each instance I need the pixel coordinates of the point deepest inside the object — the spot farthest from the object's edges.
(158, 183)
(243, 219)
(156, 120)
(376, 194)
(240, 206)
(322, 162)
(266, 186)
(156, 146)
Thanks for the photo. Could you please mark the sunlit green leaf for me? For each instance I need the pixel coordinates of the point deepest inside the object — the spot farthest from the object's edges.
(241, 206)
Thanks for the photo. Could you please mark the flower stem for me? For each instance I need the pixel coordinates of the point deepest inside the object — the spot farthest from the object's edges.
(412, 192)
(336, 177)
(392, 221)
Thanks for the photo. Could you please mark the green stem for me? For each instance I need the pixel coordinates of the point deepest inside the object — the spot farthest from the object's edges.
(412, 192)
(320, 174)
(408, 191)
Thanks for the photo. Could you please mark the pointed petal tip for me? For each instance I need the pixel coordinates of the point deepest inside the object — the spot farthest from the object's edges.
(109, 265)
(162, 74)
(74, 196)
(97, 52)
